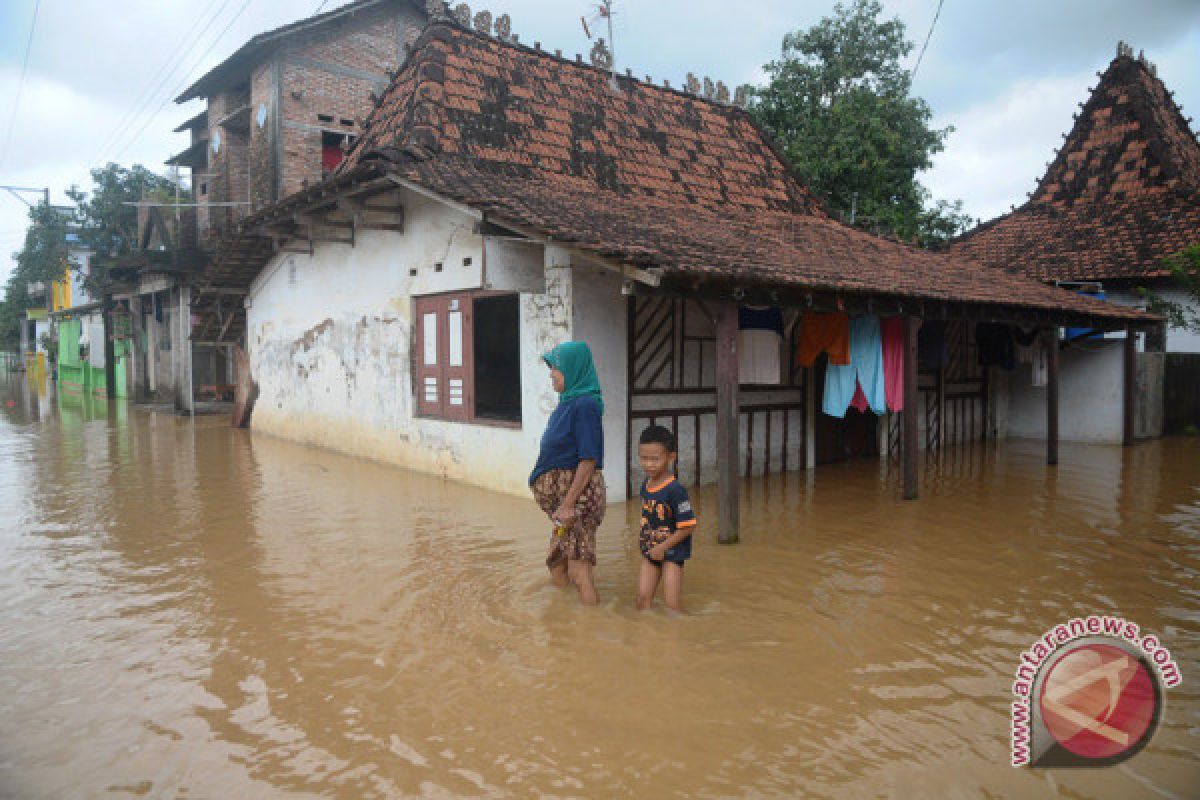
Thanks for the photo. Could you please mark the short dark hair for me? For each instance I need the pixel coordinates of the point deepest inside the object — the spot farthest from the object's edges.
(657, 434)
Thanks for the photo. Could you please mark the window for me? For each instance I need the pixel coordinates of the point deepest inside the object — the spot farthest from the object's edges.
(333, 149)
(468, 357)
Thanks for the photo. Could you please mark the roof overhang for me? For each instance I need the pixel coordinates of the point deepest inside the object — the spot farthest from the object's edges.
(198, 121)
(256, 49)
(194, 156)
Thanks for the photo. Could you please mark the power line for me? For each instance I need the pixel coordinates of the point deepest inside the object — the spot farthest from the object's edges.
(12, 120)
(160, 80)
(929, 35)
(182, 84)
(154, 84)
(318, 11)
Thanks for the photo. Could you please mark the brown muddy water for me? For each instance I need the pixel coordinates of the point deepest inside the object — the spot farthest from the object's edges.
(194, 611)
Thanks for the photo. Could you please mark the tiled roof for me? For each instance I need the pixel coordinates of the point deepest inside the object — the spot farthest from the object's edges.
(1123, 192)
(641, 174)
(468, 96)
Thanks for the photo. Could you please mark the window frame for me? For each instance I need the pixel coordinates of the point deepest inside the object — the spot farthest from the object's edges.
(442, 373)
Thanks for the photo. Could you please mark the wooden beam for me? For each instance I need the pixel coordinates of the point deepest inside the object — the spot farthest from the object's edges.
(728, 484)
(908, 417)
(1130, 387)
(225, 327)
(1052, 395)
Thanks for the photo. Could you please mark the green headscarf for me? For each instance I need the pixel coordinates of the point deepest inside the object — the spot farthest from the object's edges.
(574, 361)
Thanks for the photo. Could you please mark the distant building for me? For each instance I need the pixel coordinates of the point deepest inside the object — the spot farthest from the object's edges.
(279, 115)
(1122, 194)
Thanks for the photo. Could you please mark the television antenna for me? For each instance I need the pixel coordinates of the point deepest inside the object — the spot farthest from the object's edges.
(603, 10)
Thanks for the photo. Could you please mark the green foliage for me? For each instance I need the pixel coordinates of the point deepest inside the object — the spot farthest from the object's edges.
(104, 223)
(42, 259)
(108, 225)
(839, 104)
(1185, 269)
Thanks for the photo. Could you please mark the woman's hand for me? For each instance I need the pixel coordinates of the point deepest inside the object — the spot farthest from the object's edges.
(565, 515)
(659, 552)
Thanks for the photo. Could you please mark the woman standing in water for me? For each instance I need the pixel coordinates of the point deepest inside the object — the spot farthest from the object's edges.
(567, 482)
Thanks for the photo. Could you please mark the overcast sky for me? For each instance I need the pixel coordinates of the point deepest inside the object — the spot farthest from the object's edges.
(1007, 74)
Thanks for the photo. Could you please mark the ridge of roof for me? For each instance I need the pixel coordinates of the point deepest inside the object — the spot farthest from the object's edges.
(1129, 111)
(202, 84)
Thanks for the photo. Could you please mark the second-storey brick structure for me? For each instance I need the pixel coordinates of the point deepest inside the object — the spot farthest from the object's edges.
(282, 110)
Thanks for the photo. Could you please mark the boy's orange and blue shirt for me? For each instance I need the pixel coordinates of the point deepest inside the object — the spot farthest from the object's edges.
(665, 509)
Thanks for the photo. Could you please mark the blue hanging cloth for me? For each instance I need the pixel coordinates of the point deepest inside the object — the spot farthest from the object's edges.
(865, 369)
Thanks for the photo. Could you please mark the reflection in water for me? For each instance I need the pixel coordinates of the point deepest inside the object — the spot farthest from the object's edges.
(192, 609)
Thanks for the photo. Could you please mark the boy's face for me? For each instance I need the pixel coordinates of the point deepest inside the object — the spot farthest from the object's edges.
(655, 458)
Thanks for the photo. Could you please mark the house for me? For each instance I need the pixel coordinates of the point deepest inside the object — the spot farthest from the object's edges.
(78, 321)
(278, 115)
(1121, 195)
(502, 199)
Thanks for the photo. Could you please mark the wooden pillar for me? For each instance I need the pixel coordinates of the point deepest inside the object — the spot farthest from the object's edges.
(182, 354)
(110, 355)
(1052, 395)
(1130, 386)
(908, 417)
(810, 417)
(727, 423)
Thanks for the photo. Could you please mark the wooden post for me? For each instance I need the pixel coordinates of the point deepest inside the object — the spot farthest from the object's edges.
(181, 355)
(110, 356)
(909, 416)
(810, 417)
(727, 422)
(1130, 386)
(1052, 395)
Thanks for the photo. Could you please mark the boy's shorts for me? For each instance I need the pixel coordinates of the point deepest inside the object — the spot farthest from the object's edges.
(578, 543)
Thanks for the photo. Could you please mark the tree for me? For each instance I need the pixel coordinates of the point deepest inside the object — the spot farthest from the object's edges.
(42, 259)
(105, 223)
(839, 104)
(1185, 269)
(107, 220)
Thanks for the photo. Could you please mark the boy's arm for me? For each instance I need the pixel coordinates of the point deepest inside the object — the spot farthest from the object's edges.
(682, 531)
(685, 521)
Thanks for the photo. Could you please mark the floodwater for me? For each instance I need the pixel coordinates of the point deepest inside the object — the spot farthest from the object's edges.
(194, 611)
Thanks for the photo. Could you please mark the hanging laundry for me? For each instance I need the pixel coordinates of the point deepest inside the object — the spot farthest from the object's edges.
(995, 344)
(859, 403)
(1041, 364)
(891, 331)
(760, 341)
(1025, 342)
(865, 368)
(828, 333)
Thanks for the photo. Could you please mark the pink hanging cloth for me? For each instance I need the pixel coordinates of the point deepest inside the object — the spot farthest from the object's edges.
(891, 330)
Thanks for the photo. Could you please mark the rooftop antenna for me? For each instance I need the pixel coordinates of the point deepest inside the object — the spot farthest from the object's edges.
(603, 10)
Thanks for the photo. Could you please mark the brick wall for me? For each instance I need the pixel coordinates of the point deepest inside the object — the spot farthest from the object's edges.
(262, 166)
(308, 85)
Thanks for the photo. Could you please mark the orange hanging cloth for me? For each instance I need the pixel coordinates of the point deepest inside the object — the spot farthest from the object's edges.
(819, 333)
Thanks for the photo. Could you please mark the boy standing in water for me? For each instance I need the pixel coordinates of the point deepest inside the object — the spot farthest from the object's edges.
(667, 520)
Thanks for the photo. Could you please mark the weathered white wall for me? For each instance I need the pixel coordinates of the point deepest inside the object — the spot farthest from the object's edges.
(600, 320)
(1090, 396)
(329, 342)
